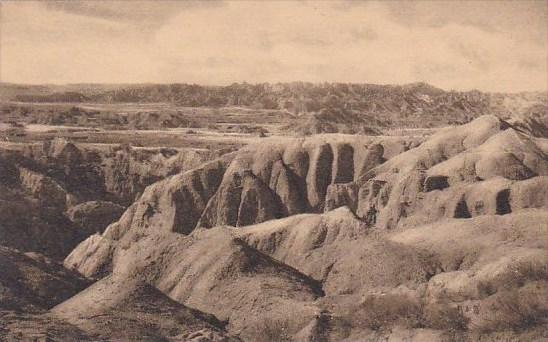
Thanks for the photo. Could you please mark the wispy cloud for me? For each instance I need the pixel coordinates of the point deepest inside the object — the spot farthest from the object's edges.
(500, 46)
(135, 11)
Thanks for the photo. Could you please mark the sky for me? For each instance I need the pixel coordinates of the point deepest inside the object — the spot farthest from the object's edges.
(499, 46)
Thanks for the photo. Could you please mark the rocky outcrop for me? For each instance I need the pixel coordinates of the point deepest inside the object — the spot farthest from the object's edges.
(294, 177)
(44, 188)
(107, 172)
(460, 172)
(94, 216)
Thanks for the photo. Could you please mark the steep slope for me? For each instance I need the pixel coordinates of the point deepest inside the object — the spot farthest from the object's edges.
(292, 177)
(105, 172)
(55, 194)
(128, 310)
(32, 282)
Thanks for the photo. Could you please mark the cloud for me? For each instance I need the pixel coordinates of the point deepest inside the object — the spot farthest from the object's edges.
(221, 43)
(136, 11)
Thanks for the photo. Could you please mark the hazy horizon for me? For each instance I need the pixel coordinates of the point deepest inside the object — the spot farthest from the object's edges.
(491, 46)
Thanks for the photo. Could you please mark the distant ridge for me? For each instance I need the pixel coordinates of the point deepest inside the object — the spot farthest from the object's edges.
(409, 105)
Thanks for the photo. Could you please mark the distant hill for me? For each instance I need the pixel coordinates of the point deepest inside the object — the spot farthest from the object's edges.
(55, 97)
(410, 105)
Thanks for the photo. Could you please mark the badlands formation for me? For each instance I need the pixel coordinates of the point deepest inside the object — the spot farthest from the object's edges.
(326, 238)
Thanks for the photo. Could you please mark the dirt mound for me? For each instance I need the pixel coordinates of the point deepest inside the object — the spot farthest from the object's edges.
(32, 282)
(129, 310)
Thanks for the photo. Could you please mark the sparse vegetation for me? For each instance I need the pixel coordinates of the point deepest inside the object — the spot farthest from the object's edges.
(384, 310)
(270, 329)
(519, 308)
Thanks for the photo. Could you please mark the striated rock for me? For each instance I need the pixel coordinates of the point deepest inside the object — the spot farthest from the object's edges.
(373, 156)
(223, 207)
(295, 175)
(257, 202)
(176, 203)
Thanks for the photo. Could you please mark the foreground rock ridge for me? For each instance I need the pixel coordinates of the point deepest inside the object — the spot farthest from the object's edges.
(325, 238)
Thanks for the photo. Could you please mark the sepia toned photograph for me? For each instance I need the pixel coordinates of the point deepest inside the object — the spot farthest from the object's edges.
(274, 171)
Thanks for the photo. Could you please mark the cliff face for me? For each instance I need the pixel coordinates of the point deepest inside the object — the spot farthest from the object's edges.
(55, 194)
